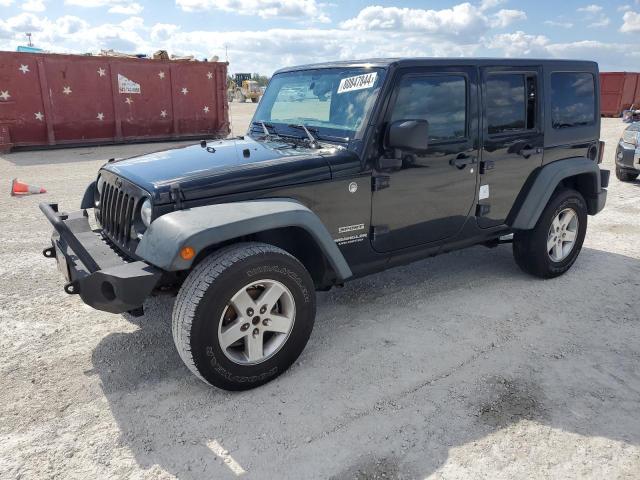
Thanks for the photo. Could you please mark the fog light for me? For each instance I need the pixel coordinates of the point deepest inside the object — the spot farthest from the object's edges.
(187, 253)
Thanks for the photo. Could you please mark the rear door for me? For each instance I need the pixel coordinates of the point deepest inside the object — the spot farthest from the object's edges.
(513, 137)
(430, 196)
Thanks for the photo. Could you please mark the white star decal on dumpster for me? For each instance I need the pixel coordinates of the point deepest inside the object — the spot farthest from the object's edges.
(102, 72)
(66, 90)
(205, 109)
(39, 116)
(161, 75)
(209, 75)
(24, 69)
(128, 101)
(4, 95)
(163, 113)
(185, 90)
(100, 116)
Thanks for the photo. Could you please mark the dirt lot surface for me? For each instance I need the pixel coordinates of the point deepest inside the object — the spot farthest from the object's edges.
(455, 367)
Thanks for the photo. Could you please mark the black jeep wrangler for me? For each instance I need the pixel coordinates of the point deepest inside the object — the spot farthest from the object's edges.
(348, 168)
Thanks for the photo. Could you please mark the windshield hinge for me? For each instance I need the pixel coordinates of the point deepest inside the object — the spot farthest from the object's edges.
(177, 196)
(380, 182)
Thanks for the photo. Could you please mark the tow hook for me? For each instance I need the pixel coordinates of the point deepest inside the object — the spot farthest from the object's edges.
(49, 252)
(71, 288)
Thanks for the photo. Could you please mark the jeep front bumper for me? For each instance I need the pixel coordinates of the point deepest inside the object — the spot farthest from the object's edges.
(92, 269)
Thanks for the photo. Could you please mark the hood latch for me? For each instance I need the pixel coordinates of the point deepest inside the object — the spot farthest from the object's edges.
(177, 196)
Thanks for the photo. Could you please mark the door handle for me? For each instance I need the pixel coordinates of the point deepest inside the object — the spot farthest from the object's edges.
(527, 151)
(461, 161)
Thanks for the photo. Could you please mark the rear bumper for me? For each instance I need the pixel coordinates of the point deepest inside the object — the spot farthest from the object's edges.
(92, 269)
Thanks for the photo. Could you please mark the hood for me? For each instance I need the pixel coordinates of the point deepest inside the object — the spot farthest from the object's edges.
(223, 167)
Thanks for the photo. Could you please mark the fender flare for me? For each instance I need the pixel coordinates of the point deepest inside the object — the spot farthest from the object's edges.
(201, 227)
(547, 180)
(88, 198)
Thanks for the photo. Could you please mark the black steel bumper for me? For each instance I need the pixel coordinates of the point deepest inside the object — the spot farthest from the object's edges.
(92, 269)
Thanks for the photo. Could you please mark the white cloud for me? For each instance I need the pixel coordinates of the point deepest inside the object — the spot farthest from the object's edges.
(504, 18)
(631, 22)
(34, 6)
(161, 32)
(308, 10)
(128, 9)
(602, 22)
(490, 4)
(591, 9)
(5, 3)
(519, 44)
(464, 21)
(555, 23)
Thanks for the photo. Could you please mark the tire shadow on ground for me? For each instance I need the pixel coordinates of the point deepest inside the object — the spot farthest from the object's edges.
(402, 367)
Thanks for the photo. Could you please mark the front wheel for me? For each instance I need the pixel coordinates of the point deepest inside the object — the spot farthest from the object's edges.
(551, 248)
(244, 315)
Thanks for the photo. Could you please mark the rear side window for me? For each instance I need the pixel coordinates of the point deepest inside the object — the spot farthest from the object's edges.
(441, 100)
(573, 100)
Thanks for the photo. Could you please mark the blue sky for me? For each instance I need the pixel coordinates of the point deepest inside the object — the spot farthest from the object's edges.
(263, 35)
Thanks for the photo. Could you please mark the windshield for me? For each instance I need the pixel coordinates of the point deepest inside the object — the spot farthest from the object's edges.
(331, 102)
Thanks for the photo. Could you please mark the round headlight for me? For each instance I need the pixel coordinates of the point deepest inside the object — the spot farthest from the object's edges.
(100, 185)
(145, 212)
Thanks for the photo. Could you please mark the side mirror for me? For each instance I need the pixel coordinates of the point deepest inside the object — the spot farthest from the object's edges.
(408, 135)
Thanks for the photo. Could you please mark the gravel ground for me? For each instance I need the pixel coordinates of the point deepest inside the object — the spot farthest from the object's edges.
(460, 366)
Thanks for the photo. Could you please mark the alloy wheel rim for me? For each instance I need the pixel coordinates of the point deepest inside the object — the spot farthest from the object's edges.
(563, 234)
(256, 322)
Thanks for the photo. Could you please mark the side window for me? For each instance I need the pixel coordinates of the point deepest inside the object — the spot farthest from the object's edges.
(573, 99)
(441, 100)
(511, 102)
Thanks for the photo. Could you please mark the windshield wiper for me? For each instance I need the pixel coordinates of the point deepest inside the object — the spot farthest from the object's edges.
(313, 143)
(265, 128)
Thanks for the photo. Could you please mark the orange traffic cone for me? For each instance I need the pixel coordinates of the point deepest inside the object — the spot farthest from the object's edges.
(21, 188)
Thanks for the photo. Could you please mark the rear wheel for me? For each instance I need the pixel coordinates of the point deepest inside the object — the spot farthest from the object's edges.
(552, 246)
(244, 315)
(625, 175)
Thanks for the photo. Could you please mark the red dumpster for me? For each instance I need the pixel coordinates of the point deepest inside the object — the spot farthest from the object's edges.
(618, 91)
(49, 99)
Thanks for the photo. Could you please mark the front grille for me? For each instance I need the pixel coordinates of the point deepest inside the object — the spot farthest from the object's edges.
(118, 203)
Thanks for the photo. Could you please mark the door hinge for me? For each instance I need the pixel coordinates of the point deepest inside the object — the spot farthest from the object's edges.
(380, 182)
(482, 210)
(378, 231)
(486, 165)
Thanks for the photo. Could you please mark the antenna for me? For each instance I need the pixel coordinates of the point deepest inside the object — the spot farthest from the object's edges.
(28, 34)
(226, 52)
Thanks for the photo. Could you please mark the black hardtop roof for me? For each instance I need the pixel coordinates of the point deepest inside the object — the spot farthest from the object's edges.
(442, 61)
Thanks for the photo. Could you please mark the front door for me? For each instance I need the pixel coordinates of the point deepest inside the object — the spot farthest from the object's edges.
(430, 196)
(513, 138)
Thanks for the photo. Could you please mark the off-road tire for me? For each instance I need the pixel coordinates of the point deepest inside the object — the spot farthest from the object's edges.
(625, 175)
(204, 296)
(530, 246)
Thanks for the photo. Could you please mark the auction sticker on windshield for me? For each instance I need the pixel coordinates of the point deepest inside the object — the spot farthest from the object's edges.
(359, 82)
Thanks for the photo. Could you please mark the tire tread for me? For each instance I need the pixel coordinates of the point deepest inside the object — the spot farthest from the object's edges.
(195, 286)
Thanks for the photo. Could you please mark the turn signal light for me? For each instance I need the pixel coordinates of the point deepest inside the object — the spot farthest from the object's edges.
(187, 253)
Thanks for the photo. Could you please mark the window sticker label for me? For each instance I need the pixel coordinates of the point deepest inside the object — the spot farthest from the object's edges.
(484, 192)
(359, 82)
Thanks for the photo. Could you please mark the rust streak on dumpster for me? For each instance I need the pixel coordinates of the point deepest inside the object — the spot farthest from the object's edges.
(50, 99)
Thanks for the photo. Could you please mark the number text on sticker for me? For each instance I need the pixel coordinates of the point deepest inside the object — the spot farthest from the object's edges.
(359, 82)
